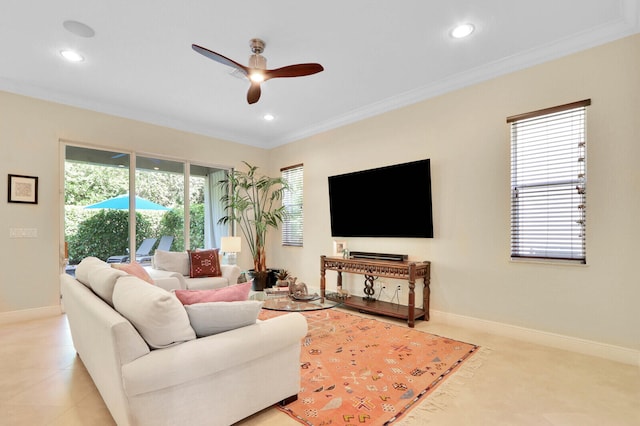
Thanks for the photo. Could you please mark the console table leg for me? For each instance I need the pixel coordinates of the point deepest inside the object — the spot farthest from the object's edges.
(368, 287)
(426, 297)
(323, 284)
(412, 304)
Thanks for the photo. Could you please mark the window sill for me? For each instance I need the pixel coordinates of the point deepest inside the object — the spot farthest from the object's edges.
(554, 262)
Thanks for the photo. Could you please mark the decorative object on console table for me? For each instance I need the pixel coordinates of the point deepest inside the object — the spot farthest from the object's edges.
(340, 249)
(231, 246)
(22, 189)
(408, 270)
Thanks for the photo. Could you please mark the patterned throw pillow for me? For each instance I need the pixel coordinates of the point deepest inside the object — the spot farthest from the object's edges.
(204, 263)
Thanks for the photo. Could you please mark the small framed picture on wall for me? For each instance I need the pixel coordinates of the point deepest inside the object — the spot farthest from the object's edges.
(23, 189)
(339, 248)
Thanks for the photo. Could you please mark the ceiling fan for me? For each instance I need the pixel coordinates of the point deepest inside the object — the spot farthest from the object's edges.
(257, 71)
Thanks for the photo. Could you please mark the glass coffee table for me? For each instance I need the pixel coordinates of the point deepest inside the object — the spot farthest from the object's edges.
(282, 301)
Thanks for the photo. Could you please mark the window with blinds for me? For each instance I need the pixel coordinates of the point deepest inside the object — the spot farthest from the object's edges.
(548, 183)
(292, 200)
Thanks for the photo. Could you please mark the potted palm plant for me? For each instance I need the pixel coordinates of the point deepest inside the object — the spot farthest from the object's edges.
(252, 201)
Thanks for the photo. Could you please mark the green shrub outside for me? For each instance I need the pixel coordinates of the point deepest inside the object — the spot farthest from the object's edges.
(172, 223)
(104, 234)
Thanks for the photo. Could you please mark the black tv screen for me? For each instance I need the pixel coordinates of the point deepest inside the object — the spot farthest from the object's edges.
(392, 201)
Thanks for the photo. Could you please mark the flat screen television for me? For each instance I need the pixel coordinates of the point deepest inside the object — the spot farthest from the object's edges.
(392, 201)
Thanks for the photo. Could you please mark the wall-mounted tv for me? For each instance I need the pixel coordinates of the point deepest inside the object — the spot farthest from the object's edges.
(392, 201)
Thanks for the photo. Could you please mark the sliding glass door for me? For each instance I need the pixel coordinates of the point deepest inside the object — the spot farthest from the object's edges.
(159, 188)
(96, 220)
(206, 208)
(171, 197)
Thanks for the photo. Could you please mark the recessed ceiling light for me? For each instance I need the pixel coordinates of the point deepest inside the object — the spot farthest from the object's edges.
(462, 31)
(269, 117)
(72, 55)
(79, 29)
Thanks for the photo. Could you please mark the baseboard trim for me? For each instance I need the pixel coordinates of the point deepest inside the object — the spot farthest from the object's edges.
(558, 341)
(29, 314)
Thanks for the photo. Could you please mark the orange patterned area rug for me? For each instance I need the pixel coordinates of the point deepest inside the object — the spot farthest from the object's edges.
(360, 371)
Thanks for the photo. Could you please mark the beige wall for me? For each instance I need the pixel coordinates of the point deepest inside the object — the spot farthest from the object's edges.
(465, 135)
(467, 139)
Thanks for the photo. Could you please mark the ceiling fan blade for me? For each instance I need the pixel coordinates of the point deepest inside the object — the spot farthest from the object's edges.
(298, 70)
(220, 59)
(253, 95)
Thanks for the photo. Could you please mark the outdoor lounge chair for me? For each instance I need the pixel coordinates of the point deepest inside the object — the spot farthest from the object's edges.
(143, 250)
(164, 244)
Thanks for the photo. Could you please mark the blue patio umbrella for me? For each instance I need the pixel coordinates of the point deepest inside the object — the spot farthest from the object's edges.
(121, 202)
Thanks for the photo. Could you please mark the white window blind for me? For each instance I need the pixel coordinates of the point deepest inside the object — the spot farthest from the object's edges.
(548, 183)
(292, 199)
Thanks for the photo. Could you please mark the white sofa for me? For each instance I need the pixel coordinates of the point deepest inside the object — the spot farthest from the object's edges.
(214, 380)
(170, 270)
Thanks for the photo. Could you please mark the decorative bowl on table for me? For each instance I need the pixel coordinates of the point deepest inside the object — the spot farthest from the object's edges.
(305, 297)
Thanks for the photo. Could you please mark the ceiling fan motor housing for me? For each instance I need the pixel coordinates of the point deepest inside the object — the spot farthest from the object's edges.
(257, 60)
(257, 45)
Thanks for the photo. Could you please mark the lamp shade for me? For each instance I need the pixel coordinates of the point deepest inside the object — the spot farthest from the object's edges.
(230, 244)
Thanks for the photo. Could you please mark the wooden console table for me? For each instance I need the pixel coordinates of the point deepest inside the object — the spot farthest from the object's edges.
(371, 269)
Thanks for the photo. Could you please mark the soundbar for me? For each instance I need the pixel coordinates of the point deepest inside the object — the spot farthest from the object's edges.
(378, 256)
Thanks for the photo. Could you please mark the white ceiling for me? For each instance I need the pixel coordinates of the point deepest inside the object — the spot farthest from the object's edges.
(378, 55)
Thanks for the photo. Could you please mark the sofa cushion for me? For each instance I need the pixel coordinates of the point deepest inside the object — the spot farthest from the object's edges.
(103, 280)
(87, 265)
(204, 263)
(134, 269)
(173, 261)
(156, 313)
(232, 293)
(216, 317)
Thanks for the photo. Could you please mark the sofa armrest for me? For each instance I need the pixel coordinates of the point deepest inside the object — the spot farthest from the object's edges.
(205, 356)
(167, 280)
(231, 273)
(104, 340)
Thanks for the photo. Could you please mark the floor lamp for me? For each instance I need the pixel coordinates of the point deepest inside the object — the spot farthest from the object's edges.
(230, 246)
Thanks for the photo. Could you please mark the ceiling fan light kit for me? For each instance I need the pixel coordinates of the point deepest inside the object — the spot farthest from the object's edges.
(257, 71)
(257, 62)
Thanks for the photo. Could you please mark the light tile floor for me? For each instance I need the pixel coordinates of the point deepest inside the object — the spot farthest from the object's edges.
(42, 382)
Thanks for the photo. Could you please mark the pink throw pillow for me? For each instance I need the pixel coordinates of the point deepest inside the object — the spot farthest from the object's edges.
(134, 269)
(204, 263)
(233, 293)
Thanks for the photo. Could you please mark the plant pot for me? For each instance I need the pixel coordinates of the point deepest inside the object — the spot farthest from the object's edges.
(262, 279)
(282, 283)
(259, 278)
